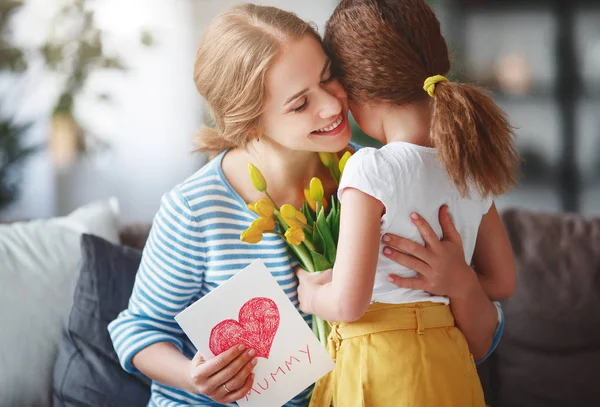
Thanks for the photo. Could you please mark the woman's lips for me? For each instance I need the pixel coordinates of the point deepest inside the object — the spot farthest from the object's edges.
(340, 126)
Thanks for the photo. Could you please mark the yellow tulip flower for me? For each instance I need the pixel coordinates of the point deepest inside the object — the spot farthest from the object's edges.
(252, 207)
(327, 159)
(257, 178)
(294, 236)
(311, 202)
(264, 208)
(344, 160)
(288, 211)
(251, 235)
(264, 224)
(316, 189)
(301, 218)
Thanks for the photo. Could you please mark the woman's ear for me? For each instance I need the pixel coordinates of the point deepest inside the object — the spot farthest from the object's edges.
(254, 135)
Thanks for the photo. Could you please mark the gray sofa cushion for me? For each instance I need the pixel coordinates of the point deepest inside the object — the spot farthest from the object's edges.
(550, 351)
(87, 372)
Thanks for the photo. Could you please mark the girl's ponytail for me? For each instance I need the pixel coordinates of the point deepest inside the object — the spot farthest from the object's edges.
(474, 140)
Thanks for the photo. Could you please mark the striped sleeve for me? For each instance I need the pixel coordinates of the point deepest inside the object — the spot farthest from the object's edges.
(170, 274)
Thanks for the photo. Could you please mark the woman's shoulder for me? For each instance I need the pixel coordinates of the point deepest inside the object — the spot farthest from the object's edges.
(208, 174)
(206, 181)
(352, 147)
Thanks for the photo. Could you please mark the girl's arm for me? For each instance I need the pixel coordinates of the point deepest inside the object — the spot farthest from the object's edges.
(443, 271)
(349, 293)
(493, 258)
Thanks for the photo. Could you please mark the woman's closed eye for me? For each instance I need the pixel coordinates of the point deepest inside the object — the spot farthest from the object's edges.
(302, 107)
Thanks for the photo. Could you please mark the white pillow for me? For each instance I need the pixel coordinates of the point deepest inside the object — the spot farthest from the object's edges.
(39, 266)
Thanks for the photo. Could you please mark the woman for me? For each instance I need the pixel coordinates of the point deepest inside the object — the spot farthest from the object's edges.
(268, 82)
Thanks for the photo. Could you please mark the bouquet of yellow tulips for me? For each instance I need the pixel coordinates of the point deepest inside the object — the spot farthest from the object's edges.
(311, 231)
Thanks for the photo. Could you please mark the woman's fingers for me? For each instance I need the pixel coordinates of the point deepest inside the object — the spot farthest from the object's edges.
(236, 382)
(448, 229)
(198, 359)
(407, 246)
(407, 261)
(220, 362)
(235, 373)
(427, 233)
(415, 283)
(240, 393)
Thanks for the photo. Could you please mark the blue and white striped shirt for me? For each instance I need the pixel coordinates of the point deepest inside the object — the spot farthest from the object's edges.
(193, 247)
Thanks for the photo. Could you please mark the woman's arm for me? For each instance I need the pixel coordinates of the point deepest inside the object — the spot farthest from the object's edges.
(493, 258)
(164, 363)
(443, 271)
(356, 261)
(146, 337)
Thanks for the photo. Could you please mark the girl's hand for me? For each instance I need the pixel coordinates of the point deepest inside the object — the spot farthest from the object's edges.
(225, 378)
(440, 263)
(308, 284)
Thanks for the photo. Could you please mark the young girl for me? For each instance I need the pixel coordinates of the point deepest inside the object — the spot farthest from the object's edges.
(268, 81)
(445, 144)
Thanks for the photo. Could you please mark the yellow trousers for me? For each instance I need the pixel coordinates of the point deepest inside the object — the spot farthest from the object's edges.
(406, 355)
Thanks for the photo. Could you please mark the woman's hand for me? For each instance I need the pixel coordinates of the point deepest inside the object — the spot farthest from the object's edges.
(225, 378)
(443, 270)
(308, 284)
(440, 264)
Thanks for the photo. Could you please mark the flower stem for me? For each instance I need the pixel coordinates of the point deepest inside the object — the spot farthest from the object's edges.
(304, 257)
(309, 245)
(271, 199)
(274, 233)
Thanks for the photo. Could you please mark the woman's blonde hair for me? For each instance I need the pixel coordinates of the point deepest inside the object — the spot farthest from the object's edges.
(231, 67)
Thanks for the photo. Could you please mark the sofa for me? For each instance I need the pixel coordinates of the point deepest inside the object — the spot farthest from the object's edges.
(547, 357)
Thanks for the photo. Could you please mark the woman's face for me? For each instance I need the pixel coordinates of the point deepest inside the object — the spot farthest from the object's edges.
(306, 108)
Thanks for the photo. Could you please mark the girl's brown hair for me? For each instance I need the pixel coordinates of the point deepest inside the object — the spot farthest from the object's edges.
(383, 50)
(231, 67)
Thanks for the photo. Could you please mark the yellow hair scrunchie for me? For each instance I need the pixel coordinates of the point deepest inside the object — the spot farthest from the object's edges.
(429, 85)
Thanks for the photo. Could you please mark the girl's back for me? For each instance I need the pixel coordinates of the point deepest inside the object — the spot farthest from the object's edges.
(408, 178)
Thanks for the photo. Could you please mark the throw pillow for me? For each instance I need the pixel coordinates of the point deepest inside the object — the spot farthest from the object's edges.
(38, 270)
(87, 371)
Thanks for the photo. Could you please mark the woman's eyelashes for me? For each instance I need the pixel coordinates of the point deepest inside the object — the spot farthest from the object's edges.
(302, 107)
(304, 104)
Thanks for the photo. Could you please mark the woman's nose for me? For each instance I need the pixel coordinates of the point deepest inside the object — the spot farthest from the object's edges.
(331, 104)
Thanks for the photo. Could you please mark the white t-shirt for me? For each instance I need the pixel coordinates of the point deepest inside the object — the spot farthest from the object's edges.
(409, 178)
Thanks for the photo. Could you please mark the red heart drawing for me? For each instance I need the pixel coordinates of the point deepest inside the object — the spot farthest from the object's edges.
(257, 326)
